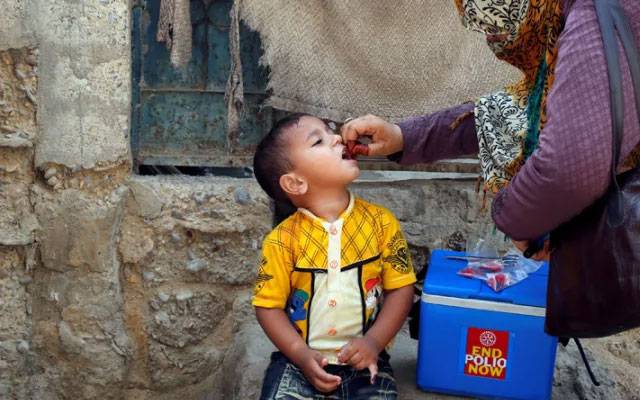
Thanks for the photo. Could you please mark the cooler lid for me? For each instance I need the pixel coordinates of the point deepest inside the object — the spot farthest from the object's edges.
(442, 279)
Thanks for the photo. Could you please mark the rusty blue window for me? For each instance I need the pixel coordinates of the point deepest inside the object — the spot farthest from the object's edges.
(179, 115)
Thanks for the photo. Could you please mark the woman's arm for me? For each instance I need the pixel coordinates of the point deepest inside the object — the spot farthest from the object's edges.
(443, 134)
(571, 167)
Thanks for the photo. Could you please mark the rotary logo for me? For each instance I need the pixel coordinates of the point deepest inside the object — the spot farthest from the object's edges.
(487, 338)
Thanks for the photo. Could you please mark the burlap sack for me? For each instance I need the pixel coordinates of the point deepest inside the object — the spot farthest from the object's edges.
(342, 58)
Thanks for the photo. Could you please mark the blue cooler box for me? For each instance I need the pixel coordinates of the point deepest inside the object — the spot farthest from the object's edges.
(476, 342)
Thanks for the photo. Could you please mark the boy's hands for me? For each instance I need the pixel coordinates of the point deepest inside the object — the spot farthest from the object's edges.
(312, 364)
(281, 332)
(361, 353)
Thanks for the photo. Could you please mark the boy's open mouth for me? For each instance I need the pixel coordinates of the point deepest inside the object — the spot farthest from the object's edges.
(347, 155)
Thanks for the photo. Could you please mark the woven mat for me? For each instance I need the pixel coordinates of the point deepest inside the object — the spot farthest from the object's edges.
(336, 58)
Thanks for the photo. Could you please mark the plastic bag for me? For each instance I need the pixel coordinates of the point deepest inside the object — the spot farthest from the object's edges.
(502, 272)
(485, 239)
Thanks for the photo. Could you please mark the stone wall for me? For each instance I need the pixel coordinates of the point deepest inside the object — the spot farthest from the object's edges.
(18, 222)
(117, 286)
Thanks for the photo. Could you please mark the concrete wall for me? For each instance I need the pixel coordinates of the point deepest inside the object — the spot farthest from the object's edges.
(83, 77)
(116, 286)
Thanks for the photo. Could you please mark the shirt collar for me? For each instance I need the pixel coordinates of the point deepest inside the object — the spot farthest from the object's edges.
(342, 216)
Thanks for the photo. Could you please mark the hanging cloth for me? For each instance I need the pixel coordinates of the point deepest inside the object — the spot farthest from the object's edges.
(174, 29)
(234, 91)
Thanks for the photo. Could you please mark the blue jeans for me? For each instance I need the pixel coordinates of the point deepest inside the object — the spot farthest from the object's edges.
(285, 381)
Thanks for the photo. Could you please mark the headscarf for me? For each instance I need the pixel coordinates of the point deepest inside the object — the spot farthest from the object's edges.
(508, 121)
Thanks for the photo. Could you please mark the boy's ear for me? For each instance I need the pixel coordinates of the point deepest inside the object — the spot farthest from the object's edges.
(293, 184)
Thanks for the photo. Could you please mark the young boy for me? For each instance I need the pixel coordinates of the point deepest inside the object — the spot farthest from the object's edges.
(324, 271)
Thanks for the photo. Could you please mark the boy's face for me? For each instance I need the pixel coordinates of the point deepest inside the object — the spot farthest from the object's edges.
(316, 154)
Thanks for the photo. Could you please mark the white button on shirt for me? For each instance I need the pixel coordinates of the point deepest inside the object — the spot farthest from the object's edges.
(336, 301)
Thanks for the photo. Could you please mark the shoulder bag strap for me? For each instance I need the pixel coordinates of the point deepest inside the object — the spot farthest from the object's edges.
(612, 18)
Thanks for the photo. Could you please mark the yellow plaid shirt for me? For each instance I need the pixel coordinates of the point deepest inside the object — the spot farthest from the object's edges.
(329, 277)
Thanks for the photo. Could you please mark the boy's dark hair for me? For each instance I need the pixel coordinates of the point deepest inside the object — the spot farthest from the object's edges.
(271, 160)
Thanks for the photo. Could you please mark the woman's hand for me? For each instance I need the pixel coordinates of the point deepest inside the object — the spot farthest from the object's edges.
(541, 255)
(386, 138)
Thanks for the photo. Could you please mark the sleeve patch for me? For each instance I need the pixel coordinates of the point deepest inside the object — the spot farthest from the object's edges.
(398, 257)
(262, 277)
